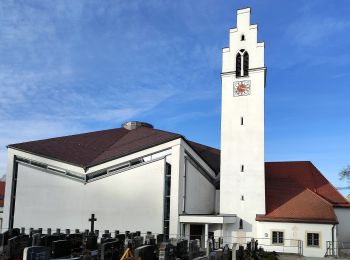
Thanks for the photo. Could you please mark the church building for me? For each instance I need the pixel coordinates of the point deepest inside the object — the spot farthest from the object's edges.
(139, 178)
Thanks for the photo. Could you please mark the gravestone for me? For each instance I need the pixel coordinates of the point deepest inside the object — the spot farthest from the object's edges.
(227, 253)
(36, 253)
(137, 241)
(61, 248)
(147, 252)
(111, 250)
(120, 237)
(160, 239)
(36, 239)
(216, 255)
(90, 242)
(181, 249)
(76, 242)
(16, 246)
(167, 251)
(9, 234)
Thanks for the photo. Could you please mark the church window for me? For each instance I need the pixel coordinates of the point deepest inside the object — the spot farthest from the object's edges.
(240, 224)
(242, 63)
(242, 168)
(277, 237)
(242, 37)
(242, 197)
(167, 199)
(313, 239)
(242, 121)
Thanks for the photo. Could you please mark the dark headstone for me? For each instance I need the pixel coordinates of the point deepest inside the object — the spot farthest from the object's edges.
(61, 248)
(36, 239)
(76, 242)
(167, 251)
(181, 249)
(111, 250)
(90, 242)
(9, 234)
(227, 253)
(36, 253)
(147, 252)
(16, 246)
(160, 239)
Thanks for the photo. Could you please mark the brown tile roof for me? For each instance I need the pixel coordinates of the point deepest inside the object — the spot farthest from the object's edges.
(93, 148)
(306, 175)
(90, 149)
(298, 192)
(209, 154)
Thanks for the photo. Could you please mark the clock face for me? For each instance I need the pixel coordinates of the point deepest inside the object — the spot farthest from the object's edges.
(241, 88)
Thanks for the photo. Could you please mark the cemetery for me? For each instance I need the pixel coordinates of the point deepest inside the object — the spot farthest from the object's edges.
(39, 244)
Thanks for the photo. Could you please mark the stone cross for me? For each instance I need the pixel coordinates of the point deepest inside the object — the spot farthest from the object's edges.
(92, 220)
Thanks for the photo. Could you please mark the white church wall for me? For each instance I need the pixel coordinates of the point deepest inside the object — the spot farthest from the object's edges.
(177, 173)
(47, 200)
(292, 233)
(131, 200)
(200, 193)
(343, 228)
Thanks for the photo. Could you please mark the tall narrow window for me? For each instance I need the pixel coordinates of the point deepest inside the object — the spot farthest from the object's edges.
(238, 65)
(242, 121)
(242, 168)
(245, 63)
(242, 197)
(240, 224)
(242, 37)
(242, 63)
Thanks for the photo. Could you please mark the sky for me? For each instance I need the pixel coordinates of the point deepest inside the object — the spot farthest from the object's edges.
(68, 67)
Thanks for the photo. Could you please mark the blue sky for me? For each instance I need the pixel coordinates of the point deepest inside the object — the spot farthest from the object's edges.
(75, 66)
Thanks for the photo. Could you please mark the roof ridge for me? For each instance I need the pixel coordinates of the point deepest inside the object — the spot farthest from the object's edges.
(136, 140)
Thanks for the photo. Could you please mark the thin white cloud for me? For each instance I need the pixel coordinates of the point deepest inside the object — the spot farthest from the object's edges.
(311, 31)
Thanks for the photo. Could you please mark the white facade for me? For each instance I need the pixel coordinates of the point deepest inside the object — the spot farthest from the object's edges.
(242, 185)
(295, 237)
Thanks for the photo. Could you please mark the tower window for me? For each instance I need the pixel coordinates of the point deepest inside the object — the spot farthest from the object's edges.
(242, 121)
(242, 63)
(242, 37)
(242, 168)
(240, 224)
(242, 197)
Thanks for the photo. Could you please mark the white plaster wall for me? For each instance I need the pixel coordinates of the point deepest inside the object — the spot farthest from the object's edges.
(200, 193)
(177, 174)
(131, 200)
(243, 144)
(343, 228)
(293, 232)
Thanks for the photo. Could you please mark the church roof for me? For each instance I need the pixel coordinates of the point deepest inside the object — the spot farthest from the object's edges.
(298, 192)
(90, 149)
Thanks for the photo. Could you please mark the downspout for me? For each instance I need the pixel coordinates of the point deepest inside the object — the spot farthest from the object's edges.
(333, 239)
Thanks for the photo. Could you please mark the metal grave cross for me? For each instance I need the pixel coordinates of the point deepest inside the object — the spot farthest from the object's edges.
(92, 220)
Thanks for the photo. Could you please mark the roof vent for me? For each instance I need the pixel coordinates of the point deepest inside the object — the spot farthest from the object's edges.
(135, 124)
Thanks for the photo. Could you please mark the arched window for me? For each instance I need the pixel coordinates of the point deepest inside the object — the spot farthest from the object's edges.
(242, 37)
(240, 224)
(242, 63)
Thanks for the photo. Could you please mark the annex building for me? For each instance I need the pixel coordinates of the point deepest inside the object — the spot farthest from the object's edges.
(140, 178)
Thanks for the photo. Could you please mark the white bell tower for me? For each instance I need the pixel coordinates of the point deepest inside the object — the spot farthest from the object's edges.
(242, 173)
